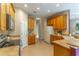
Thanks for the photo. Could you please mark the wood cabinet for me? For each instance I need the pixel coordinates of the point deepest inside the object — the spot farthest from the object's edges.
(49, 22)
(31, 39)
(3, 18)
(61, 48)
(61, 22)
(61, 51)
(55, 37)
(58, 22)
(31, 23)
(10, 10)
(4, 10)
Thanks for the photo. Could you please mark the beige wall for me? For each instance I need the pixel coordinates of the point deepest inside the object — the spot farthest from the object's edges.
(45, 33)
(38, 30)
(17, 24)
(19, 15)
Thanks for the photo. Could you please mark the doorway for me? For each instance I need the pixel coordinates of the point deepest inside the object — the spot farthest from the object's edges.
(37, 31)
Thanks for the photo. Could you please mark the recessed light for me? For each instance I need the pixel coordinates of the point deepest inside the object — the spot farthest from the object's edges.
(38, 8)
(48, 10)
(37, 18)
(25, 5)
(57, 5)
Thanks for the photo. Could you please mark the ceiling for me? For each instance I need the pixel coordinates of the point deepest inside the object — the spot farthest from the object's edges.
(44, 7)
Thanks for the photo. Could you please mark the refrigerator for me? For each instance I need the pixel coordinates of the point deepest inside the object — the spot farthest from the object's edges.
(49, 31)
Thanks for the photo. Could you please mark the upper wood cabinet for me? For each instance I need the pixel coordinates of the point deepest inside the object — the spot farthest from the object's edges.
(31, 23)
(3, 18)
(59, 22)
(10, 10)
(49, 22)
(4, 10)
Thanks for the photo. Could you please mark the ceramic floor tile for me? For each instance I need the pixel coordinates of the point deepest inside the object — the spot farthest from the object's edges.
(39, 49)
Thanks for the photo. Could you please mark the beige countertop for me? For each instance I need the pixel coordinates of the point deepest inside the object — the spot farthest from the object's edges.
(9, 51)
(67, 43)
(62, 43)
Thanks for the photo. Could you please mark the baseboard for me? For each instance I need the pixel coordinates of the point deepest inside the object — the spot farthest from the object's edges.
(46, 42)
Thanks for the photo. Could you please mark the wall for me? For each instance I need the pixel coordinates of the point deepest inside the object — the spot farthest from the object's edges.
(21, 27)
(41, 28)
(18, 18)
(73, 24)
(38, 30)
(46, 35)
(17, 23)
(44, 29)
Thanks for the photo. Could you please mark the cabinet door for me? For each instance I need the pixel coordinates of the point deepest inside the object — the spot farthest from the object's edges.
(12, 13)
(57, 23)
(3, 17)
(48, 22)
(65, 21)
(62, 22)
(54, 23)
(31, 39)
(10, 10)
(31, 23)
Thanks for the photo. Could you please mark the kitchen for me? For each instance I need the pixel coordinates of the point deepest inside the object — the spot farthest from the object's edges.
(61, 38)
(29, 29)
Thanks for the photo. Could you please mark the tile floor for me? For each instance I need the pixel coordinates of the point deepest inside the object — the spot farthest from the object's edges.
(9, 51)
(38, 49)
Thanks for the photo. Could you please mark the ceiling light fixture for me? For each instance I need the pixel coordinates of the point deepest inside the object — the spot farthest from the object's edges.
(25, 5)
(57, 5)
(48, 10)
(37, 18)
(38, 8)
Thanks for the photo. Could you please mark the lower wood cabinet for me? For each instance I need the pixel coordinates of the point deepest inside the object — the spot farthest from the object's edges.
(55, 37)
(31, 39)
(61, 51)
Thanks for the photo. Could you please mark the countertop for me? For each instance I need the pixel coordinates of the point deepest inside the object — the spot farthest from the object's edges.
(62, 43)
(67, 44)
